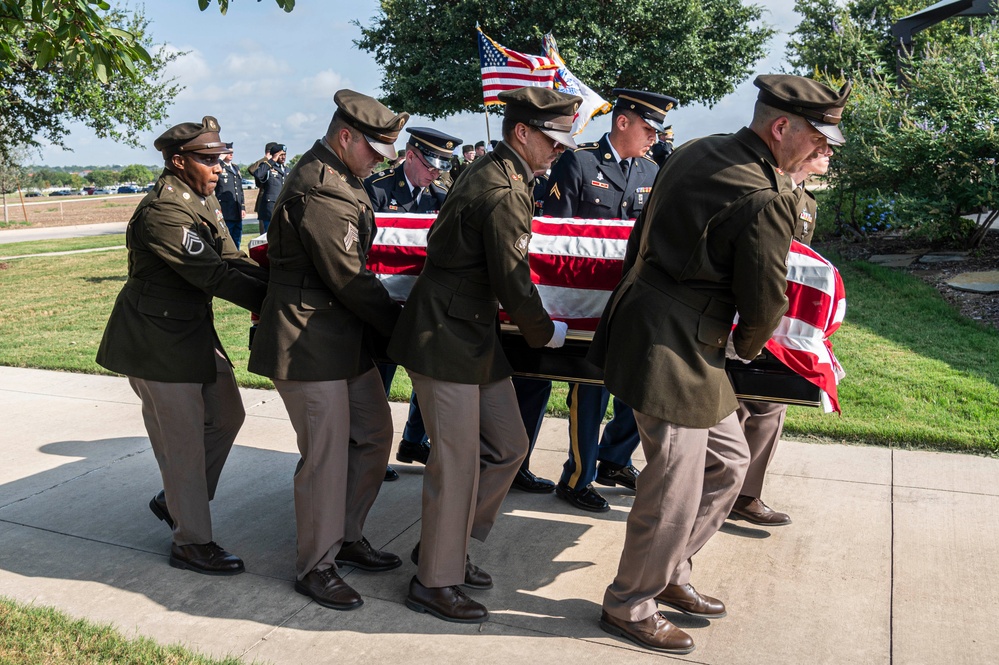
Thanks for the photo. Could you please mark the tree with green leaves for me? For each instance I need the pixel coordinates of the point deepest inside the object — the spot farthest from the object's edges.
(65, 61)
(921, 151)
(137, 173)
(286, 5)
(694, 51)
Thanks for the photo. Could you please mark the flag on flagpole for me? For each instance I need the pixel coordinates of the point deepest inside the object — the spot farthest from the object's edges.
(565, 81)
(506, 69)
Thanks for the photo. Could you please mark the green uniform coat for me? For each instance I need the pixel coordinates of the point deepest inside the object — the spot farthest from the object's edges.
(476, 259)
(322, 301)
(713, 239)
(180, 254)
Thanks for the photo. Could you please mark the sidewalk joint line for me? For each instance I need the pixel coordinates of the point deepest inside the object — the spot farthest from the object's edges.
(891, 563)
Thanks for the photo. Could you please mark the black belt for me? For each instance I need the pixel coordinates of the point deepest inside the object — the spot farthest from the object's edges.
(664, 282)
(457, 284)
(305, 280)
(155, 290)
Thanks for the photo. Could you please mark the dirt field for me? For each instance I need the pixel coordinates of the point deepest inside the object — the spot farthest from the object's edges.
(69, 210)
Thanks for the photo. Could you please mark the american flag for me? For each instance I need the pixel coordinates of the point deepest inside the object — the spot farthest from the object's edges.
(505, 69)
(576, 263)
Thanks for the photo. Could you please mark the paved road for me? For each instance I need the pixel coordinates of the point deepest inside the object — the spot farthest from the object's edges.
(891, 557)
(54, 232)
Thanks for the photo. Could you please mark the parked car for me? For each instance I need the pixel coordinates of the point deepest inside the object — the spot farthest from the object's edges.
(88, 190)
(101, 192)
(128, 189)
(62, 192)
(33, 193)
(249, 183)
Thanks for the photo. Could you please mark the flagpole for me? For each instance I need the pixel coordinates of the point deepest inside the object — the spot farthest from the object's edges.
(489, 138)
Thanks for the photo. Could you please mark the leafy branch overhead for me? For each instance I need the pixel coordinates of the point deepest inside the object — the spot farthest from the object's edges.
(286, 5)
(694, 51)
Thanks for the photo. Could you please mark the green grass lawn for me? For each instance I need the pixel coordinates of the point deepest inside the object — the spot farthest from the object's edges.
(918, 373)
(32, 635)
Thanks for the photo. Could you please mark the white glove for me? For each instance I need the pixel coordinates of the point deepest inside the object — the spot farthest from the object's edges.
(730, 351)
(558, 337)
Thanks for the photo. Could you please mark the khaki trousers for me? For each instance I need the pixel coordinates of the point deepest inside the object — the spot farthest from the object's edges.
(344, 433)
(191, 427)
(763, 424)
(686, 490)
(479, 441)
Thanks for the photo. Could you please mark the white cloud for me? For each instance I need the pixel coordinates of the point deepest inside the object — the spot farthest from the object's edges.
(323, 85)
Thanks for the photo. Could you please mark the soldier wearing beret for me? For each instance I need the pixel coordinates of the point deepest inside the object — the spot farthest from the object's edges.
(448, 340)
(229, 192)
(608, 179)
(270, 175)
(711, 242)
(763, 422)
(323, 308)
(161, 335)
(413, 187)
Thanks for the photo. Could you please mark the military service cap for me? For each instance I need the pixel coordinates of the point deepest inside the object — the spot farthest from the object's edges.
(201, 138)
(651, 106)
(276, 147)
(269, 148)
(437, 147)
(468, 147)
(480, 144)
(819, 104)
(373, 119)
(552, 112)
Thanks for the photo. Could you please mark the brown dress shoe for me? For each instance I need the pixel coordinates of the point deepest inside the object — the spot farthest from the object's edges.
(360, 554)
(327, 589)
(684, 598)
(448, 603)
(755, 511)
(207, 559)
(475, 577)
(654, 632)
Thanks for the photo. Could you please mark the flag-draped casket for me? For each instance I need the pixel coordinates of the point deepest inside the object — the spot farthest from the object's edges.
(576, 263)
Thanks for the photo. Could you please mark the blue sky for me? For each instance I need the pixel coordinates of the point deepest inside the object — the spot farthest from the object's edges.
(268, 76)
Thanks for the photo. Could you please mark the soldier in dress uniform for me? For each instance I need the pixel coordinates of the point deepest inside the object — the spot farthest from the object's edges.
(763, 422)
(413, 187)
(322, 308)
(608, 179)
(662, 148)
(270, 175)
(229, 192)
(161, 335)
(448, 340)
(712, 242)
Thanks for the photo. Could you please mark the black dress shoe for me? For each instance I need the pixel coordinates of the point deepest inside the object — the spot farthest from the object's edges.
(413, 452)
(391, 474)
(360, 554)
(158, 505)
(327, 589)
(448, 603)
(207, 559)
(475, 577)
(526, 481)
(612, 475)
(584, 499)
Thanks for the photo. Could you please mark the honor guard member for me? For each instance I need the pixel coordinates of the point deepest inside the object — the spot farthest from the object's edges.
(322, 307)
(711, 242)
(229, 192)
(608, 179)
(413, 187)
(161, 335)
(252, 169)
(270, 175)
(763, 422)
(448, 340)
(662, 148)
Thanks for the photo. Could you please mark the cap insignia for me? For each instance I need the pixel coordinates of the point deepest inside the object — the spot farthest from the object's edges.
(212, 125)
(449, 145)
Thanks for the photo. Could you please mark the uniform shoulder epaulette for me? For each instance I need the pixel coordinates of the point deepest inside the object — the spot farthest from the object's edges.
(646, 156)
(440, 185)
(588, 146)
(387, 173)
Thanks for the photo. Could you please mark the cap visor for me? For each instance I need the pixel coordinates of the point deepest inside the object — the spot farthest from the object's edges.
(832, 132)
(658, 126)
(386, 150)
(562, 137)
(438, 162)
(214, 151)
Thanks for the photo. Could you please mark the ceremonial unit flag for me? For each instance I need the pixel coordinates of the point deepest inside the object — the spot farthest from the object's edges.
(506, 69)
(565, 81)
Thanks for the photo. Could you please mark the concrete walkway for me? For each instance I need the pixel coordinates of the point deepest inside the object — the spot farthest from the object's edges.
(891, 558)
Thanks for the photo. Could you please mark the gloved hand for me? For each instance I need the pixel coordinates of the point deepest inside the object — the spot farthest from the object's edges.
(558, 337)
(730, 351)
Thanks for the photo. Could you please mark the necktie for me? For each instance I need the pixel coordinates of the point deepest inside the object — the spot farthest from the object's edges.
(624, 168)
(416, 194)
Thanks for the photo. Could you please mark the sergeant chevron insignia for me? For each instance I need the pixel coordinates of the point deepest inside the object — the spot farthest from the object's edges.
(555, 192)
(350, 238)
(193, 244)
